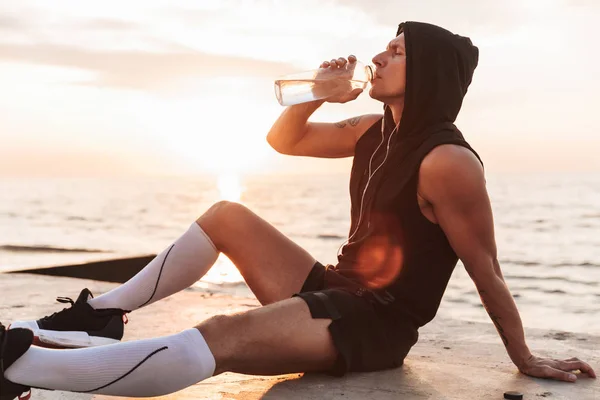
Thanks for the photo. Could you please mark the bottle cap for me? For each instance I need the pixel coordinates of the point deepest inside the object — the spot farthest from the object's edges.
(513, 396)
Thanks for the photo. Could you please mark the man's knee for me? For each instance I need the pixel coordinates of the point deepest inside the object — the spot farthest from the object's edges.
(225, 212)
(223, 338)
(214, 325)
(221, 218)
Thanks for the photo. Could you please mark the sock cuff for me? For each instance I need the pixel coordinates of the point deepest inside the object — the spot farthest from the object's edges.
(198, 231)
(199, 346)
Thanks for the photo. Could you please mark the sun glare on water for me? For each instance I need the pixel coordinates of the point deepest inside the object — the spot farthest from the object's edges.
(229, 187)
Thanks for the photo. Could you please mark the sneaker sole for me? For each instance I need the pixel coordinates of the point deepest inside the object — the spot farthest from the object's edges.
(69, 340)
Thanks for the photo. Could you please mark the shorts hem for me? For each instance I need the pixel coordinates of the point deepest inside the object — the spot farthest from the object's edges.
(318, 310)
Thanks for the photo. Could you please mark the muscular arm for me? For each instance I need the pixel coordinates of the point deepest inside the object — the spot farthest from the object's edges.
(452, 180)
(291, 126)
(292, 134)
(350, 121)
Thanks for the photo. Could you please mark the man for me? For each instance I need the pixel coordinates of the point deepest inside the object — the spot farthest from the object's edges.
(419, 203)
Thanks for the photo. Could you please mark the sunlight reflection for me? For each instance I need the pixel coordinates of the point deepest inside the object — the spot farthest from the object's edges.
(229, 187)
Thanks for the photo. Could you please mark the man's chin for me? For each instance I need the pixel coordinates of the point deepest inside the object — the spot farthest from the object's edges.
(373, 94)
(387, 99)
(378, 97)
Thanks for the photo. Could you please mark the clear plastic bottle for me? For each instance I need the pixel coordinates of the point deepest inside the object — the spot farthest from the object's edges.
(322, 83)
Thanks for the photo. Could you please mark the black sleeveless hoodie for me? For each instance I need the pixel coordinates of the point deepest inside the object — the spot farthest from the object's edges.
(397, 252)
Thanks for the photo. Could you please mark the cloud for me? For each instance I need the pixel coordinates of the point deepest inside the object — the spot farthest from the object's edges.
(108, 24)
(98, 33)
(461, 16)
(583, 3)
(141, 70)
(10, 23)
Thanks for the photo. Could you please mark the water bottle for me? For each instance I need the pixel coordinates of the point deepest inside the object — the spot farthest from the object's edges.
(322, 83)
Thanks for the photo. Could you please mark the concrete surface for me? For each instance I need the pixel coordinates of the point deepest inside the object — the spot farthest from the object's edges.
(452, 360)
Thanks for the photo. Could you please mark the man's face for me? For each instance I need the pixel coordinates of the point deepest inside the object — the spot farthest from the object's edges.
(389, 82)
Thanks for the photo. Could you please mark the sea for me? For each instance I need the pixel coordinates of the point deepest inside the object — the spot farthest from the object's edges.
(547, 228)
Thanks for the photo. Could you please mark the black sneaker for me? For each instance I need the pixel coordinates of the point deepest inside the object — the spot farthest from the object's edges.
(78, 326)
(13, 344)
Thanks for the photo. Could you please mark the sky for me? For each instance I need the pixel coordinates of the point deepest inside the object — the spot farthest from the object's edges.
(162, 87)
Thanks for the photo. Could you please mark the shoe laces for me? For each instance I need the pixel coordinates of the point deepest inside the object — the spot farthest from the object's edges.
(60, 300)
(65, 300)
(70, 301)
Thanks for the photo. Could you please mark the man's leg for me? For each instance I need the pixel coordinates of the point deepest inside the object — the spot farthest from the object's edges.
(175, 268)
(273, 266)
(274, 339)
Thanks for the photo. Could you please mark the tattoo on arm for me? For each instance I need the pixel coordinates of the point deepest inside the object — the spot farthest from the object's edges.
(495, 319)
(352, 121)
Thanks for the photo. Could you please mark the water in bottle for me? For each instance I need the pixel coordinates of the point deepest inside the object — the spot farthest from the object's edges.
(322, 83)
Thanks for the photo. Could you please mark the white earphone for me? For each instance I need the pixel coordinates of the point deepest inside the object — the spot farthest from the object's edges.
(360, 214)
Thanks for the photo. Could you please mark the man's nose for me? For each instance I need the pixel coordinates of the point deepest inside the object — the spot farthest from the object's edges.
(378, 60)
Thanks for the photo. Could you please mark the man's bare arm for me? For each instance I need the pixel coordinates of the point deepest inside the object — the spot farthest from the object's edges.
(350, 121)
(452, 180)
(292, 134)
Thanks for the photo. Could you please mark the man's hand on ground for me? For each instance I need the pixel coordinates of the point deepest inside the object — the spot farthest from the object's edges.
(555, 369)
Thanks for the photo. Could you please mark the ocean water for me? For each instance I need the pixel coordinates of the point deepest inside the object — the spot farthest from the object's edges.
(547, 231)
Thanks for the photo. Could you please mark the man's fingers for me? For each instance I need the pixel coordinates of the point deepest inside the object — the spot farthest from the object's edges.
(355, 93)
(577, 365)
(553, 373)
(351, 96)
(568, 365)
(338, 62)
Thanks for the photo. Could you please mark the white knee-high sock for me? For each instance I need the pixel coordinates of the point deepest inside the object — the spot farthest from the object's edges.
(176, 268)
(141, 368)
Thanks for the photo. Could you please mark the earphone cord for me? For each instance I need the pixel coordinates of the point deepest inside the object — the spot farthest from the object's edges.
(360, 214)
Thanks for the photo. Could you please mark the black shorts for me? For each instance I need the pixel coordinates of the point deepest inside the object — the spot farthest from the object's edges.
(367, 335)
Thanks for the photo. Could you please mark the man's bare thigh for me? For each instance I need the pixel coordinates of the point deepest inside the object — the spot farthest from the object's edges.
(273, 266)
(278, 338)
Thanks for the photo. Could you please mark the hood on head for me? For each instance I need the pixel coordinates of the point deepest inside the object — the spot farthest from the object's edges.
(439, 70)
